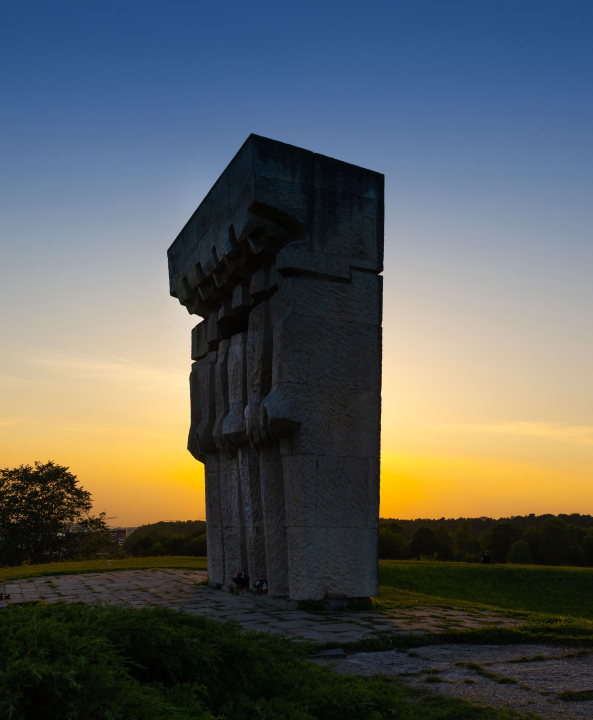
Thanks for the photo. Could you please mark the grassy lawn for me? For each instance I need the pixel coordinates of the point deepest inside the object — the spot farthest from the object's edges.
(563, 591)
(91, 566)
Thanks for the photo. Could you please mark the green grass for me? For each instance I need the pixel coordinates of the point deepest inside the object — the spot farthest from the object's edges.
(553, 603)
(91, 566)
(83, 662)
(560, 591)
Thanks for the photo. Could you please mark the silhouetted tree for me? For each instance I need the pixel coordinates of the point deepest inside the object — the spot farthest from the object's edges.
(462, 538)
(394, 527)
(577, 537)
(588, 548)
(554, 544)
(424, 542)
(520, 553)
(446, 542)
(500, 538)
(532, 537)
(392, 546)
(467, 547)
(44, 515)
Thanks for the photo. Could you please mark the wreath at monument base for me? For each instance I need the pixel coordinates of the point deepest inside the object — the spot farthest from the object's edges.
(241, 579)
(261, 586)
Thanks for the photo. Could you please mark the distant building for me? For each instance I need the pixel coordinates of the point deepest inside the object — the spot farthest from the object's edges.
(118, 535)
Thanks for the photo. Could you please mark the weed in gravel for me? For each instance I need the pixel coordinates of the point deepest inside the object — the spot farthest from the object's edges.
(575, 695)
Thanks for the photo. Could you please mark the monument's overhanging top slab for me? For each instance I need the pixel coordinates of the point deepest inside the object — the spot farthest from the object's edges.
(318, 216)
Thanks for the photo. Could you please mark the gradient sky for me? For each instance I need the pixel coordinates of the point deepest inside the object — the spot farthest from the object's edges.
(117, 117)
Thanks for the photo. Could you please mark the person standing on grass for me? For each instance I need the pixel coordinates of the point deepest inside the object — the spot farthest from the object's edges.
(486, 557)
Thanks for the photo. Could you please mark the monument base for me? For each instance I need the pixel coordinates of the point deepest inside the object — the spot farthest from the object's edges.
(283, 602)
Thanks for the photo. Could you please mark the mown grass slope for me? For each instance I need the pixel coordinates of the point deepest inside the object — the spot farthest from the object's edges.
(22, 572)
(561, 591)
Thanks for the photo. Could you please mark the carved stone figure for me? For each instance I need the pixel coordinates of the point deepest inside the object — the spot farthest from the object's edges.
(282, 262)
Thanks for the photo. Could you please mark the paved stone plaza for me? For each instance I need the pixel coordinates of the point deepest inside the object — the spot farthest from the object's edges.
(186, 590)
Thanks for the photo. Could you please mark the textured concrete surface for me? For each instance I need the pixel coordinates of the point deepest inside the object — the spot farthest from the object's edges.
(282, 260)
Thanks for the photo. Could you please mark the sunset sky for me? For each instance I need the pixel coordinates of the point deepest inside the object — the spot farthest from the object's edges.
(117, 117)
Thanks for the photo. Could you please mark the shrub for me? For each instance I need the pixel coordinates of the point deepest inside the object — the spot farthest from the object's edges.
(84, 663)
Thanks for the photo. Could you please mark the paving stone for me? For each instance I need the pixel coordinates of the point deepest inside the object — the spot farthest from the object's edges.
(179, 590)
(332, 653)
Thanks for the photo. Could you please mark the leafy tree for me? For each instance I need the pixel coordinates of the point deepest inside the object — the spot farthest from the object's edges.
(577, 538)
(446, 542)
(520, 554)
(532, 537)
(424, 543)
(462, 538)
(392, 546)
(555, 543)
(44, 515)
(393, 527)
(588, 548)
(500, 539)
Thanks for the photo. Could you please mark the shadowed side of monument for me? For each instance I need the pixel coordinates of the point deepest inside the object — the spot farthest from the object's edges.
(282, 262)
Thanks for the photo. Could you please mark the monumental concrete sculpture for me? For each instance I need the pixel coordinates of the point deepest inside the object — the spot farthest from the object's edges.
(282, 262)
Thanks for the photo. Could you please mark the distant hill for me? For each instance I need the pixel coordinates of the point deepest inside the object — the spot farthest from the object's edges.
(175, 527)
(180, 537)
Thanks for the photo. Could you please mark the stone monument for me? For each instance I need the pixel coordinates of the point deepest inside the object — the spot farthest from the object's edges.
(282, 261)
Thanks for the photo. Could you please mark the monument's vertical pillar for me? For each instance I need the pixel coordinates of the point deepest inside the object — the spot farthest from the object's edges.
(259, 382)
(201, 445)
(282, 260)
(252, 547)
(253, 513)
(327, 355)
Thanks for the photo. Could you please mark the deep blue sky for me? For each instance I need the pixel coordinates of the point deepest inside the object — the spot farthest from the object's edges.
(117, 117)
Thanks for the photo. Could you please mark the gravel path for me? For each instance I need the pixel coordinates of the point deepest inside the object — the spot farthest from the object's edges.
(527, 678)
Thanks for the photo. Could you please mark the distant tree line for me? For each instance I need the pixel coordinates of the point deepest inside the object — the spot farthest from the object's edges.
(168, 538)
(481, 525)
(543, 540)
